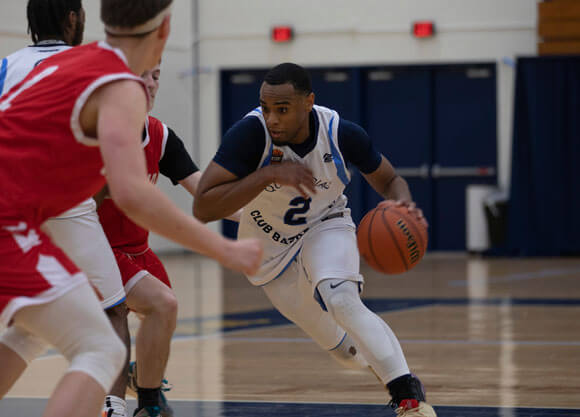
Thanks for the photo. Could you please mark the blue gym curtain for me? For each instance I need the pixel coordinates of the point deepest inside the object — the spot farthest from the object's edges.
(544, 214)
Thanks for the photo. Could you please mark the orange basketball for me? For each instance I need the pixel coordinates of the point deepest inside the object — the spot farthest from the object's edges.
(390, 239)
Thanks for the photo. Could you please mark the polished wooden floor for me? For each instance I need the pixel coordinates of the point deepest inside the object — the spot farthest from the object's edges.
(488, 337)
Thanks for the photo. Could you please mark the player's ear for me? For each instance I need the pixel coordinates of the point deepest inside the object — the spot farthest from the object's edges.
(165, 28)
(310, 101)
(71, 22)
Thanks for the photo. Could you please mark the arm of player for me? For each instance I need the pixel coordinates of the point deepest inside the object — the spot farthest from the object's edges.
(390, 186)
(121, 114)
(190, 184)
(221, 193)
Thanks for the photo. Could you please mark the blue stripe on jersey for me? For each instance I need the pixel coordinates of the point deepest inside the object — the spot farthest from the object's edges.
(340, 170)
(3, 71)
(269, 157)
(258, 109)
(339, 343)
(117, 303)
(284, 269)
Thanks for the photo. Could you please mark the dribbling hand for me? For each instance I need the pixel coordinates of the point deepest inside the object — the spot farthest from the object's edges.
(411, 208)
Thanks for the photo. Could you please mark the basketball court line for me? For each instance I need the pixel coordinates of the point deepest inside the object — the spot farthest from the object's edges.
(28, 406)
(271, 318)
(544, 273)
(410, 341)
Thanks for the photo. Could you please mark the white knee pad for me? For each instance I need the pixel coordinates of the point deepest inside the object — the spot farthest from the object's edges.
(76, 325)
(342, 300)
(25, 344)
(99, 355)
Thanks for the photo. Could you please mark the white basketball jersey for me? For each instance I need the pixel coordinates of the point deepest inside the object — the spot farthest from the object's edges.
(15, 67)
(279, 216)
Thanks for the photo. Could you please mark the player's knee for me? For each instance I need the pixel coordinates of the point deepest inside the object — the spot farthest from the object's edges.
(98, 353)
(342, 302)
(114, 352)
(166, 306)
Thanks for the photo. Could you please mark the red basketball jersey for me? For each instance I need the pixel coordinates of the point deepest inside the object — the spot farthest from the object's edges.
(47, 164)
(120, 230)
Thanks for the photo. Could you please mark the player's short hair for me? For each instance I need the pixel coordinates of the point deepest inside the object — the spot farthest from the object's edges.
(47, 18)
(130, 13)
(290, 73)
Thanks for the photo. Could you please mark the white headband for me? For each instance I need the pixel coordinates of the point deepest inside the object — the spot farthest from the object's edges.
(142, 29)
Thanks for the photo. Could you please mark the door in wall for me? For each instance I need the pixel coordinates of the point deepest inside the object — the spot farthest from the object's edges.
(437, 125)
(398, 117)
(464, 145)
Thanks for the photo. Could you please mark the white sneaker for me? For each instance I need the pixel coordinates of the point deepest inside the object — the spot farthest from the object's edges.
(114, 407)
(414, 408)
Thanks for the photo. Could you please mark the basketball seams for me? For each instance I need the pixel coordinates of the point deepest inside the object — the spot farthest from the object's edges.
(393, 238)
(416, 232)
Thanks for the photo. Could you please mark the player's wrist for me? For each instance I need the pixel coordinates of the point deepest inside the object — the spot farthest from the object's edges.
(225, 247)
(268, 175)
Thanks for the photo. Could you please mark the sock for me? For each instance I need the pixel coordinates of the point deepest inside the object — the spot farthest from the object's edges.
(406, 387)
(148, 397)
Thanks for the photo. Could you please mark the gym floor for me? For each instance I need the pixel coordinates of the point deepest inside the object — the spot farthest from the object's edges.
(488, 338)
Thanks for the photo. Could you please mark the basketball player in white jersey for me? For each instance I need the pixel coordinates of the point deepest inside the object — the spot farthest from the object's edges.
(285, 163)
(55, 26)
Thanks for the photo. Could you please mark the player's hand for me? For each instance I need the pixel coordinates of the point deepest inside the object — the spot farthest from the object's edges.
(294, 175)
(244, 256)
(410, 206)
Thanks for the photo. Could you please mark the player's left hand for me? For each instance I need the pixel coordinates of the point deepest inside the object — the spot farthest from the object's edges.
(411, 208)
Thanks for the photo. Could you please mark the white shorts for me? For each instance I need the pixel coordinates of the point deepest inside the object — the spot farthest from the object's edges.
(82, 238)
(329, 251)
(83, 208)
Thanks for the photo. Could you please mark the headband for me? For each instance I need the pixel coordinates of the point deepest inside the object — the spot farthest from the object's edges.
(142, 29)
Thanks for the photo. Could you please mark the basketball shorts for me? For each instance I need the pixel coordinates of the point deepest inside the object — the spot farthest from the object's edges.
(85, 242)
(33, 270)
(329, 250)
(134, 267)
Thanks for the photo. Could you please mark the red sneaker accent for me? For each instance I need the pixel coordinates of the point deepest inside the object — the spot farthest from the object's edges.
(409, 404)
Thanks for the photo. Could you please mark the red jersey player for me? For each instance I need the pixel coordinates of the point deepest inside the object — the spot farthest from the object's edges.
(55, 26)
(61, 131)
(145, 280)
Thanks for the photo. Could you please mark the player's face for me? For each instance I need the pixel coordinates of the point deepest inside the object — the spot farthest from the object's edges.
(151, 79)
(286, 112)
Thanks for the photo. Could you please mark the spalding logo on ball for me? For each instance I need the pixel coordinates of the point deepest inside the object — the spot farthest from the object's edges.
(391, 240)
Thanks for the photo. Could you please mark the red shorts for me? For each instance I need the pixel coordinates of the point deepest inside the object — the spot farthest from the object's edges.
(134, 267)
(33, 270)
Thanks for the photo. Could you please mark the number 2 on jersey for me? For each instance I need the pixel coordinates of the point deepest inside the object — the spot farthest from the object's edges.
(302, 205)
